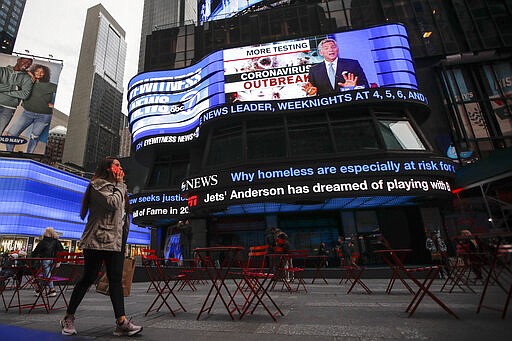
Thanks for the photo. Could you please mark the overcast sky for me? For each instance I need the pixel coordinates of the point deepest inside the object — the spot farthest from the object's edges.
(55, 27)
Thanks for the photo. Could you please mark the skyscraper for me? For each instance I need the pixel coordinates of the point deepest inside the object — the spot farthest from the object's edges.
(95, 116)
(164, 14)
(10, 18)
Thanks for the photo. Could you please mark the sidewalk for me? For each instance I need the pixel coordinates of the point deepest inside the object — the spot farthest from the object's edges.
(326, 312)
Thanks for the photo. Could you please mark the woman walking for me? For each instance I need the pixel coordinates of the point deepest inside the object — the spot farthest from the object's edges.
(104, 240)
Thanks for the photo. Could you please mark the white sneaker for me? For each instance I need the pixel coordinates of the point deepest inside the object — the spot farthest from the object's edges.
(127, 328)
(67, 325)
(52, 293)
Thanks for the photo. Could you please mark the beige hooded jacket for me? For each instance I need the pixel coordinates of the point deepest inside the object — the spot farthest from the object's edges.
(108, 223)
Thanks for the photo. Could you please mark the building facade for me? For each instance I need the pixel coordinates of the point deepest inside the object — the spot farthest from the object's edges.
(96, 118)
(161, 15)
(461, 56)
(55, 144)
(11, 12)
(126, 138)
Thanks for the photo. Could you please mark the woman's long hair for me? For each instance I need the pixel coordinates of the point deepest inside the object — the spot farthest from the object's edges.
(102, 169)
(102, 172)
(50, 232)
(46, 70)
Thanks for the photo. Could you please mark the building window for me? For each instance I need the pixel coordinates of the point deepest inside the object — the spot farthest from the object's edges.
(226, 146)
(265, 139)
(351, 136)
(169, 170)
(309, 134)
(398, 134)
(159, 175)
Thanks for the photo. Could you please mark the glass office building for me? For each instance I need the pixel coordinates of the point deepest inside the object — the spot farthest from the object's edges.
(95, 118)
(11, 12)
(243, 169)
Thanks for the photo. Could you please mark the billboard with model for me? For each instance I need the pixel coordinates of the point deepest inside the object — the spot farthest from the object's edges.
(28, 86)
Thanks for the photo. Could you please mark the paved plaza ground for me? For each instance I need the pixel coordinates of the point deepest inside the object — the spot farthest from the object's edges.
(325, 312)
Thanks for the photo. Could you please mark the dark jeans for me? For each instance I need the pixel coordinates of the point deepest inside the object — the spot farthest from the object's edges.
(93, 259)
(185, 251)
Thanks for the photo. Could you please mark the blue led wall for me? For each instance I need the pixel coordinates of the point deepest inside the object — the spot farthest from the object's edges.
(35, 196)
(168, 107)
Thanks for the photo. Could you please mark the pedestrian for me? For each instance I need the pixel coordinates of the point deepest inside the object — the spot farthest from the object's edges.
(438, 249)
(48, 248)
(185, 230)
(322, 249)
(282, 243)
(270, 238)
(344, 247)
(282, 247)
(104, 240)
(467, 247)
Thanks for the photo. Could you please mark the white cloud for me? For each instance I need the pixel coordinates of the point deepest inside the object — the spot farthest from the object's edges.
(55, 27)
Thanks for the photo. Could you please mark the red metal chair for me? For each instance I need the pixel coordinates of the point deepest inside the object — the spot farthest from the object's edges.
(62, 280)
(258, 280)
(160, 277)
(499, 270)
(255, 263)
(294, 270)
(431, 273)
(76, 262)
(148, 255)
(351, 273)
(4, 281)
(458, 271)
(189, 270)
(27, 270)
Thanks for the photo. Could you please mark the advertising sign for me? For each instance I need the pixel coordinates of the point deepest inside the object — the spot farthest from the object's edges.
(158, 205)
(500, 87)
(373, 65)
(222, 9)
(28, 87)
(331, 179)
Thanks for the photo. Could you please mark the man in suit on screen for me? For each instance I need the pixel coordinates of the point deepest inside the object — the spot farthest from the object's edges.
(334, 74)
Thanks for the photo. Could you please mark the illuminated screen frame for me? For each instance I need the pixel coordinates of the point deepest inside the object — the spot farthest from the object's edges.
(168, 107)
(320, 181)
(36, 196)
(210, 10)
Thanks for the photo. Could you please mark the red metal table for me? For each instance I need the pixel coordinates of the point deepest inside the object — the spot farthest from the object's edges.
(30, 267)
(319, 262)
(396, 272)
(391, 257)
(217, 262)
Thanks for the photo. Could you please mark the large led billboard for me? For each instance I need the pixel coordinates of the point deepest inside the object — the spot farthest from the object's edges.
(373, 65)
(419, 176)
(210, 10)
(35, 196)
(28, 86)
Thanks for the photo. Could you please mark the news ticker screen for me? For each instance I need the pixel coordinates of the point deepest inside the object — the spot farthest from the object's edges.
(168, 107)
(302, 181)
(210, 10)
